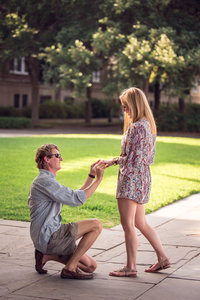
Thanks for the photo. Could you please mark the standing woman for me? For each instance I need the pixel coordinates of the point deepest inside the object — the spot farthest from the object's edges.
(134, 179)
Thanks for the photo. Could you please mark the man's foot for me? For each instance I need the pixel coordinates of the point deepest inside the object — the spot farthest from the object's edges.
(38, 262)
(159, 266)
(78, 274)
(124, 272)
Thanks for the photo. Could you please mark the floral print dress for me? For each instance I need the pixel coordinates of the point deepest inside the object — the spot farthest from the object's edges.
(137, 153)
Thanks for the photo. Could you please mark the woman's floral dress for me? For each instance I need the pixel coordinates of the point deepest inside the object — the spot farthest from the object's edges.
(137, 153)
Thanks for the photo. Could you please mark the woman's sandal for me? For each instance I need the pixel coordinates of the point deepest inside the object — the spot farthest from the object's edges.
(124, 272)
(159, 266)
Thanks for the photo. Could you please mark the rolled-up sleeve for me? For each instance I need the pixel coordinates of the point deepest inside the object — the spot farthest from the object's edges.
(60, 193)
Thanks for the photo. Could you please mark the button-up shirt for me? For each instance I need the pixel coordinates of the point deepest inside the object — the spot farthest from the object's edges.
(45, 200)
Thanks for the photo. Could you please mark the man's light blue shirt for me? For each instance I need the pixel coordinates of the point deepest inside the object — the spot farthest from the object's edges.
(45, 200)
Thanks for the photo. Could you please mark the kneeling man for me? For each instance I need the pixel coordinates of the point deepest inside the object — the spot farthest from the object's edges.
(53, 240)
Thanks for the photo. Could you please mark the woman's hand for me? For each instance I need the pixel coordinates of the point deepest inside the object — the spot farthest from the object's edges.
(108, 163)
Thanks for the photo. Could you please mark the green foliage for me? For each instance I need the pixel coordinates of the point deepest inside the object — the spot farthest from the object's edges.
(98, 109)
(54, 110)
(10, 111)
(57, 110)
(12, 122)
(175, 174)
(169, 118)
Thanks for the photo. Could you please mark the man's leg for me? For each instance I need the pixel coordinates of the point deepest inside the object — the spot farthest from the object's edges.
(88, 231)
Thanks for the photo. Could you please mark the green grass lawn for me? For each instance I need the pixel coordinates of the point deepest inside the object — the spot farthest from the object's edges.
(175, 173)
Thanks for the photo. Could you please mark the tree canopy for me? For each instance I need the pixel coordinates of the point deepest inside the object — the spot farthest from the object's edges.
(135, 42)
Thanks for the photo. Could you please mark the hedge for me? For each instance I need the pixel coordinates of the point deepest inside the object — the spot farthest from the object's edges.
(168, 118)
(13, 122)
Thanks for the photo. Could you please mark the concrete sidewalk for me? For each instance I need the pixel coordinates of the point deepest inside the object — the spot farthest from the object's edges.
(179, 228)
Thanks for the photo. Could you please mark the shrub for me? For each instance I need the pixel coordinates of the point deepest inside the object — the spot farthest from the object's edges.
(168, 118)
(10, 111)
(52, 110)
(75, 110)
(99, 109)
(13, 122)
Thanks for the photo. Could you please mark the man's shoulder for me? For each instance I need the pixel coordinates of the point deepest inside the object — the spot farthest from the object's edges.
(44, 178)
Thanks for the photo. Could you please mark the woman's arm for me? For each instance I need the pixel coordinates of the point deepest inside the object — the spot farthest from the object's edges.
(111, 162)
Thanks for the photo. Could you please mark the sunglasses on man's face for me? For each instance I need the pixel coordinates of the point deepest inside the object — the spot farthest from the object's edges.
(57, 155)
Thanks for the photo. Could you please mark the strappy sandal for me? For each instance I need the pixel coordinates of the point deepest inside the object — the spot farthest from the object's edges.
(124, 272)
(160, 266)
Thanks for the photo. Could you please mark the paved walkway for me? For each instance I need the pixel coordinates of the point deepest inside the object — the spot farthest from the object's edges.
(81, 128)
(179, 228)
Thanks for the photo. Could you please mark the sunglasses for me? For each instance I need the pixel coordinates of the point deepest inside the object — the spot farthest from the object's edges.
(57, 155)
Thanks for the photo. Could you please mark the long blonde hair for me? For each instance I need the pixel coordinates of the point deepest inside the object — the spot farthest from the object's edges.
(139, 107)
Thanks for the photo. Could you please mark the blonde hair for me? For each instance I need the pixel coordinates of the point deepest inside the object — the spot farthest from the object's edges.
(42, 151)
(139, 107)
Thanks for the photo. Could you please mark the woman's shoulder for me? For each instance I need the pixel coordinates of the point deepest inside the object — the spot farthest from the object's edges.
(141, 127)
(140, 124)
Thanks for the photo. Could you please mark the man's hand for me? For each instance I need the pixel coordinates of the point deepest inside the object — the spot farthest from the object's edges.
(96, 169)
(99, 168)
(93, 168)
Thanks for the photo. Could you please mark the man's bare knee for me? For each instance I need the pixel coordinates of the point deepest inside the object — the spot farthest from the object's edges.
(92, 267)
(97, 225)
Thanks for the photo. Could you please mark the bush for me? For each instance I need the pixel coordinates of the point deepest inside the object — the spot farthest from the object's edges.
(75, 110)
(10, 111)
(52, 110)
(13, 122)
(168, 118)
(99, 109)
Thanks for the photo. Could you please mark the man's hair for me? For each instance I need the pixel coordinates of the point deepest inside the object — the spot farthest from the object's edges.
(42, 151)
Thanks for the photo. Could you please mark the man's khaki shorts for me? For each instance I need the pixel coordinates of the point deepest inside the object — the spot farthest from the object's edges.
(63, 241)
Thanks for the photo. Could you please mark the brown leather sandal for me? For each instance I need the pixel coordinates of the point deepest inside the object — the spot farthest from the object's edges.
(159, 266)
(78, 274)
(38, 262)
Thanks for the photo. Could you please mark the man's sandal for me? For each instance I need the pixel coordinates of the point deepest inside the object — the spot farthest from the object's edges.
(159, 266)
(124, 272)
(38, 262)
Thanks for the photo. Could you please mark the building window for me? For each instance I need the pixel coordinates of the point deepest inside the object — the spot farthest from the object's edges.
(16, 100)
(96, 77)
(18, 66)
(24, 100)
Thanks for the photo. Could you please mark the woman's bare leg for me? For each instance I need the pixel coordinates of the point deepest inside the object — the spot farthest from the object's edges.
(151, 236)
(127, 209)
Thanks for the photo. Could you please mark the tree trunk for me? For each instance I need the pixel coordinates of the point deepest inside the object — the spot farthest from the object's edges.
(110, 111)
(34, 68)
(145, 86)
(181, 104)
(88, 111)
(157, 91)
(58, 94)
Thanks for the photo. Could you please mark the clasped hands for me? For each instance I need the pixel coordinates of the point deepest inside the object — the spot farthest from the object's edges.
(97, 168)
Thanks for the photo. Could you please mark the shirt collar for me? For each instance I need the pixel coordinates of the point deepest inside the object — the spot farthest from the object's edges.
(48, 173)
